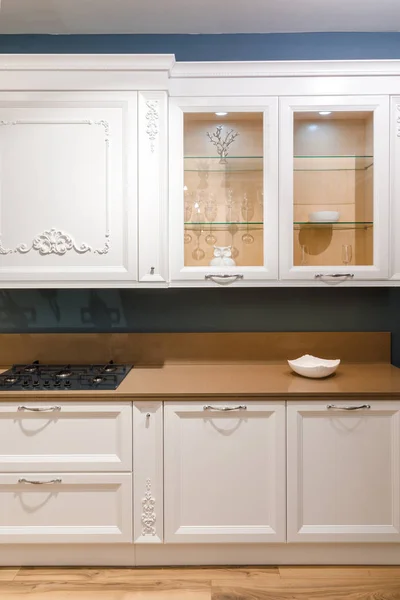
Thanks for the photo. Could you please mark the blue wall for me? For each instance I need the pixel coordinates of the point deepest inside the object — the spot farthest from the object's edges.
(289, 46)
(260, 309)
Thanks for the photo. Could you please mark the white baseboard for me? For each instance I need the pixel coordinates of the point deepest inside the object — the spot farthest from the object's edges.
(128, 555)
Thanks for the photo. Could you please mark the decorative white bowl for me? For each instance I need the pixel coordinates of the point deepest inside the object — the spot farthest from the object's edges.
(324, 216)
(312, 366)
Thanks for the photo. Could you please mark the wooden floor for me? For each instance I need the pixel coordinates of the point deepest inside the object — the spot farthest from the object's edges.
(203, 583)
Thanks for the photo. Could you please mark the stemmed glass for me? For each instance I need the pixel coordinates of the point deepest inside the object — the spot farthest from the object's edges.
(210, 212)
(231, 210)
(233, 229)
(247, 209)
(304, 254)
(187, 238)
(347, 254)
(198, 217)
(198, 253)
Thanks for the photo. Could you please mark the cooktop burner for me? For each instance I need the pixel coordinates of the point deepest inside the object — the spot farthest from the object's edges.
(63, 377)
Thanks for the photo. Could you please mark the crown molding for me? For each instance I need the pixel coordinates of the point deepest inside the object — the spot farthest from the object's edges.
(87, 62)
(328, 68)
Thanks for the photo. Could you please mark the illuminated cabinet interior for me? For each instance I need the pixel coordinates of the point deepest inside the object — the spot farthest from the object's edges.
(333, 175)
(223, 189)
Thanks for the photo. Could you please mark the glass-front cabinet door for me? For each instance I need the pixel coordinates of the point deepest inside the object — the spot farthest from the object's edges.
(223, 190)
(334, 188)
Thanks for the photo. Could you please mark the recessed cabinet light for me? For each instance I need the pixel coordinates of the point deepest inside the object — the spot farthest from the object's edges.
(324, 113)
(221, 114)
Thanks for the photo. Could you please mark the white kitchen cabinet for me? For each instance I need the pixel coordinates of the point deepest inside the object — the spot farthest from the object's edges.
(223, 201)
(65, 436)
(334, 188)
(68, 200)
(224, 478)
(148, 491)
(343, 471)
(65, 508)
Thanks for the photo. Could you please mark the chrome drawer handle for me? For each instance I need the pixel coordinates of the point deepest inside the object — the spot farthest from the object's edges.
(224, 408)
(44, 409)
(33, 482)
(226, 277)
(361, 407)
(334, 275)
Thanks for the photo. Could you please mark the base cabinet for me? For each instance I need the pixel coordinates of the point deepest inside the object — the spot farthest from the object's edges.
(343, 471)
(224, 471)
(65, 508)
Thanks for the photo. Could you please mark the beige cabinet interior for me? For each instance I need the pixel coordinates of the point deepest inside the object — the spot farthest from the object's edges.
(224, 201)
(333, 171)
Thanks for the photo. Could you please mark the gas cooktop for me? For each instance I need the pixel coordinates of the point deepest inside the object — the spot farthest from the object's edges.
(36, 376)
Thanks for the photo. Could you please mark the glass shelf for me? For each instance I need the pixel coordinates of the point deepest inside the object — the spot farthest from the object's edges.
(233, 164)
(334, 225)
(332, 163)
(225, 225)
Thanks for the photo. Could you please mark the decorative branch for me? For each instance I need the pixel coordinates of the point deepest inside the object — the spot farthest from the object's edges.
(222, 145)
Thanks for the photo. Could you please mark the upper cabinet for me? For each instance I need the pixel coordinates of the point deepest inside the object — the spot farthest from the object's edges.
(334, 188)
(68, 202)
(73, 165)
(223, 190)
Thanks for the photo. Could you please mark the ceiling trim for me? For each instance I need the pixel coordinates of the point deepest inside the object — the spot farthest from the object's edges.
(87, 62)
(294, 68)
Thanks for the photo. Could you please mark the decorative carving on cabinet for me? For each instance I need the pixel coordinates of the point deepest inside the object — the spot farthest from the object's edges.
(56, 241)
(152, 122)
(148, 513)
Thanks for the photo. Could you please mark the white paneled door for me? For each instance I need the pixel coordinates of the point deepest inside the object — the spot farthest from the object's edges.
(224, 471)
(223, 204)
(68, 195)
(334, 188)
(343, 471)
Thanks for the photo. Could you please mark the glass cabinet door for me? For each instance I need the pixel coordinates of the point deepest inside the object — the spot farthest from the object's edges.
(222, 204)
(334, 189)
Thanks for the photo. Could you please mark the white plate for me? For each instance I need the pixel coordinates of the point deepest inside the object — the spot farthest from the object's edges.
(312, 366)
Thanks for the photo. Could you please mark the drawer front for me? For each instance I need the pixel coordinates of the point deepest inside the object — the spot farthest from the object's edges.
(65, 436)
(64, 508)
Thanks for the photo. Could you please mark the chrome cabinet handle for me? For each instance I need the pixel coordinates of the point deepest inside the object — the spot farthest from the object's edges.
(224, 408)
(44, 409)
(224, 276)
(336, 407)
(334, 275)
(33, 482)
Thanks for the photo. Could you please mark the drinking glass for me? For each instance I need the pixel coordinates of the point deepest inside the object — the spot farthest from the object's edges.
(347, 254)
(304, 254)
(188, 207)
(247, 210)
(198, 253)
(210, 212)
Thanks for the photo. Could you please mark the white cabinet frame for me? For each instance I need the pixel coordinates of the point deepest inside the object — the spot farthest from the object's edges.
(196, 275)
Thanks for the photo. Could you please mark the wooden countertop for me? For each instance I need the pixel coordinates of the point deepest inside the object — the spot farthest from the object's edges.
(239, 380)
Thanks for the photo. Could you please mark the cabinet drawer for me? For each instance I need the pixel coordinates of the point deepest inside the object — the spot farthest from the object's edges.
(65, 436)
(65, 508)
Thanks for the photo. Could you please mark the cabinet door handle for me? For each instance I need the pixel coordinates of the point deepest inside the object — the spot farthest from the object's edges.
(34, 482)
(224, 408)
(360, 407)
(226, 277)
(43, 409)
(334, 275)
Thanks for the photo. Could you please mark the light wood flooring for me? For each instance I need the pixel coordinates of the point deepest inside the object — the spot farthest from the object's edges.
(202, 583)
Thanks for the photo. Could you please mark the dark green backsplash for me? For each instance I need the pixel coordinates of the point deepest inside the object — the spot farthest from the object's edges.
(185, 310)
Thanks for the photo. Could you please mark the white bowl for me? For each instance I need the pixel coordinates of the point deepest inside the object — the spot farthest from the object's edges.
(312, 366)
(324, 216)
